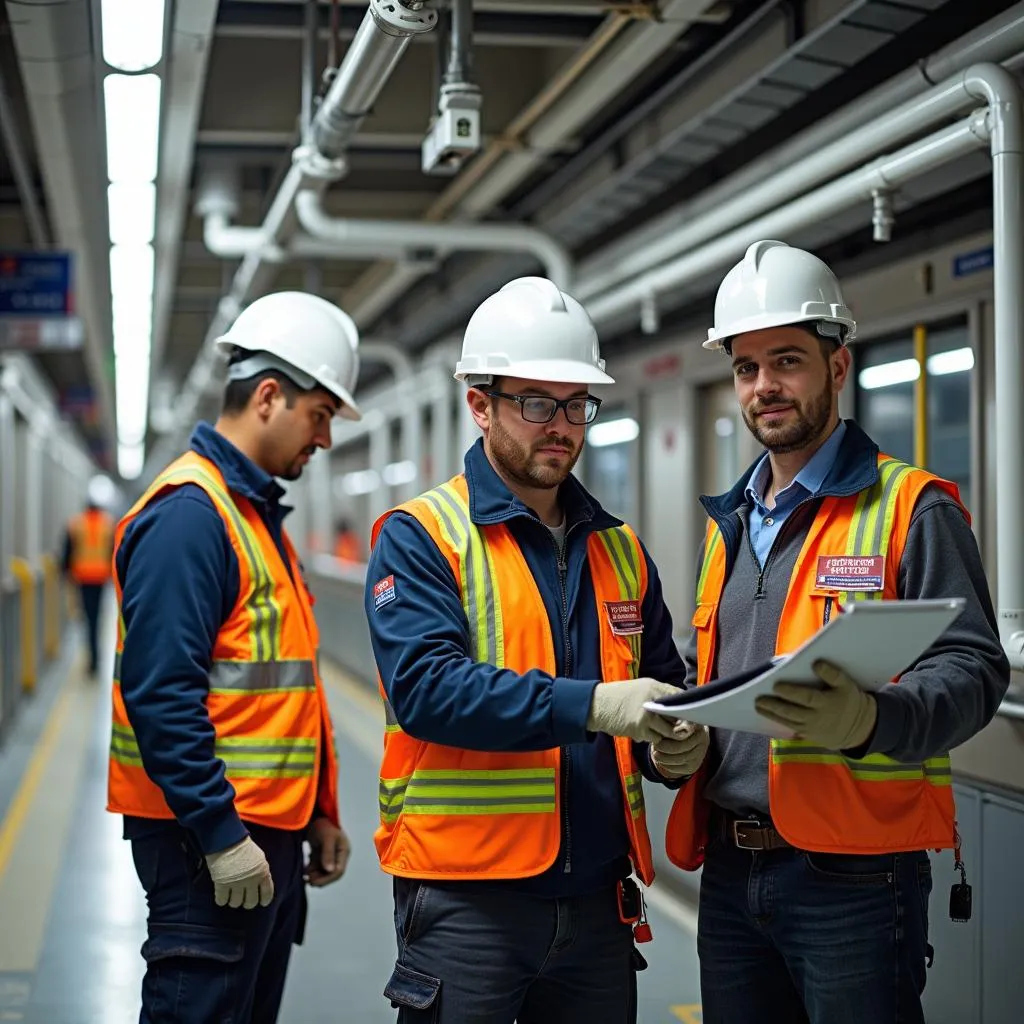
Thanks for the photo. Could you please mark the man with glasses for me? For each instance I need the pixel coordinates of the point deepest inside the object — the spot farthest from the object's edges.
(518, 630)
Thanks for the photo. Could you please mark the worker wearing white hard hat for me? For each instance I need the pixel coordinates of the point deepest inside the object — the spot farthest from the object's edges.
(828, 825)
(222, 753)
(518, 630)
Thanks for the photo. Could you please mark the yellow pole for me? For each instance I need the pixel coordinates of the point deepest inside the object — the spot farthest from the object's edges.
(23, 573)
(921, 397)
(51, 606)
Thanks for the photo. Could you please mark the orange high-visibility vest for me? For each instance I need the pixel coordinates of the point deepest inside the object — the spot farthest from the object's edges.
(821, 800)
(266, 700)
(447, 813)
(92, 536)
(347, 547)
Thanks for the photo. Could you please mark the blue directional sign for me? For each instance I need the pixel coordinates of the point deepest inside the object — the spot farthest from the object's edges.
(34, 284)
(973, 262)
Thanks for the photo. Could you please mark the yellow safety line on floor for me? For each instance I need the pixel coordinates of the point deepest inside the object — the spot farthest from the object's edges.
(35, 837)
(18, 810)
(365, 730)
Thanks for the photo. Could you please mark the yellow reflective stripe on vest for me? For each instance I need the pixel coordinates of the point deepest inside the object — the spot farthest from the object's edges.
(253, 676)
(390, 718)
(287, 757)
(493, 791)
(266, 625)
(480, 599)
(124, 748)
(871, 522)
(254, 757)
(635, 794)
(873, 768)
(709, 551)
(625, 558)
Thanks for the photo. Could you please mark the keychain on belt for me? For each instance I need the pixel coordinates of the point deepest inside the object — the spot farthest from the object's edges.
(960, 893)
(633, 910)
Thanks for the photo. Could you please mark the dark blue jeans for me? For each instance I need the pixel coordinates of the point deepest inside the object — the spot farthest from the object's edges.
(207, 964)
(789, 937)
(469, 954)
(92, 599)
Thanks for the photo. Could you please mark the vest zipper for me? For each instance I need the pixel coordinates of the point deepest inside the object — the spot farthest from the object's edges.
(773, 550)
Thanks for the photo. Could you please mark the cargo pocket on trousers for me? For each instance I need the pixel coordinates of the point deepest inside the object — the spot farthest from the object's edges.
(409, 990)
(192, 972)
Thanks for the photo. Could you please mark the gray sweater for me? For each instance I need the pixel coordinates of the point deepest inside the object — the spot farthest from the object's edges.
(949, 695)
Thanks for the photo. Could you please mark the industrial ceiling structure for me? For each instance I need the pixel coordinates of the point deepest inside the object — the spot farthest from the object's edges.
(403, 159)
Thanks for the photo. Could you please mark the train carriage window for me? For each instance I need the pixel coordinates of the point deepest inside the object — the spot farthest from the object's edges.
(886, 375)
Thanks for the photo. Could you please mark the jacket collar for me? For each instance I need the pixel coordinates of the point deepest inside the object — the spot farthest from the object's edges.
(490, 500)
(241, 474)
(855, 468)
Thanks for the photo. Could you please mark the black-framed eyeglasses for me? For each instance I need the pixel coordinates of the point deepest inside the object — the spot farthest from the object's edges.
(543, 409)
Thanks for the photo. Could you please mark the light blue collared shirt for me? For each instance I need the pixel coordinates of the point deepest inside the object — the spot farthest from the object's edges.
(764, 523)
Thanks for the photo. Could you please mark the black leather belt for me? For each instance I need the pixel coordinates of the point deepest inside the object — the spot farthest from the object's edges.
(750, 834)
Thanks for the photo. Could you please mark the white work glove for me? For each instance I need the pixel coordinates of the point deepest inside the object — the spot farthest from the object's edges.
(241, 876)
(618, 709)
(681, 753)
(329, 850)
(838, 717)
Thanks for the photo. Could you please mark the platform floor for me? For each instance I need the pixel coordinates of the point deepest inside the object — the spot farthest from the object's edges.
(72, 914)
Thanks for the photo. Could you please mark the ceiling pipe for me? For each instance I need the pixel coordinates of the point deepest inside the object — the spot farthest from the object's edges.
(795, 166)
(396, 237)
(937, 105)
(379, 43)
(611, 56)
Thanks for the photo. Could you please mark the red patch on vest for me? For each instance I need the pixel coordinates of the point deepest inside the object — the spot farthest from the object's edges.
(383, 592)
(624, 617)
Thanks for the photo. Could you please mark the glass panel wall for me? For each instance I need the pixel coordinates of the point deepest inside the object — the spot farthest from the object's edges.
(885, 379)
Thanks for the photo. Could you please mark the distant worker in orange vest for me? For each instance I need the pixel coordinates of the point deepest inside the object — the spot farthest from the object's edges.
(88, 547)
(815, 883)
(519, 629)
(347, 547)
(222, 752)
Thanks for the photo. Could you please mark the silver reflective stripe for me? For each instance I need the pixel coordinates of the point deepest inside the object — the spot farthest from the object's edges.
(258, 676)
(290, 757)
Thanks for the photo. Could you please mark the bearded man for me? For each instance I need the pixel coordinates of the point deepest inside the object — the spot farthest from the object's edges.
(518, 629)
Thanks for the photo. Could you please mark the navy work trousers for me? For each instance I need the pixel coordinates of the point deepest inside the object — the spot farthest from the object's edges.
(92, 600)
(790, 937)
(472, 954)
(207, 964)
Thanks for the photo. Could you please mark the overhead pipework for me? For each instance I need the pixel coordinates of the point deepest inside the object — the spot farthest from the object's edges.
(455, 131)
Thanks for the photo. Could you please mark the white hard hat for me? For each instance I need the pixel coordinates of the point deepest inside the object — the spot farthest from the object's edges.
(531, 329)
(101, 492)
(303, 336)
(775, 285)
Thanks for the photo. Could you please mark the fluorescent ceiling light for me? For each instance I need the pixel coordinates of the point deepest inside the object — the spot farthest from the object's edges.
(363, 481)
(131, 207)
(886, 374)
(133, 33)
(131, 273)
(956, 361)
(613, 432)
(132, 104)
(399, 472)
(131, 392)
(130, 458)
(724, 426)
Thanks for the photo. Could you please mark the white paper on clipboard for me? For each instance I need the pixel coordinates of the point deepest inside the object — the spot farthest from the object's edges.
(874, 641)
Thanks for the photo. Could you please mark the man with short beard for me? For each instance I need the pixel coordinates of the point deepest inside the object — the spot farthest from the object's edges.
(222, 752)
(518, 630)
(815, 883)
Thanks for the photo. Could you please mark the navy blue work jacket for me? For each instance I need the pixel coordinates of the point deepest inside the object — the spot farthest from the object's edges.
(440, 695)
